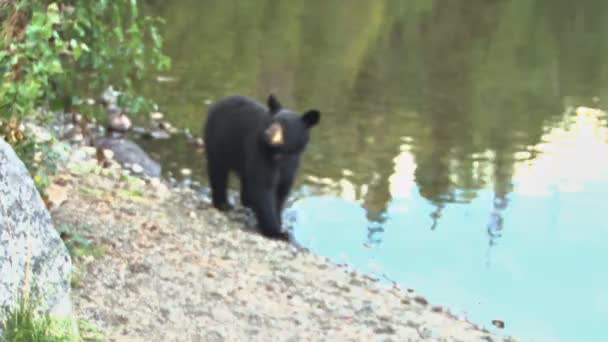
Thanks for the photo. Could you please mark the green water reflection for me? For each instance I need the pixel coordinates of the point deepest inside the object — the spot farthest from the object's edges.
(432, 110)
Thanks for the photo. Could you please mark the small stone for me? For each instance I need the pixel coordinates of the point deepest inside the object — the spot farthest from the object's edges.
(347, 172)
(188, 134)
(108, 154)
(388, 330)
(157, 134)
(165, 125)
(498, 323)
(425, 332)
(186, 172)
(157, 183)
(421, 300)
(221, 314)
(78, 137)
(192, 214)
(137, 169)
(437, 309)
(156, 116)
(165, 79)
(139, 267)
(57, 194)
(89, 151)
(119, 122)
(139, 130)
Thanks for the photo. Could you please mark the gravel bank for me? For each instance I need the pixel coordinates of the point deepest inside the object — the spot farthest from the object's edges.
(174, 269)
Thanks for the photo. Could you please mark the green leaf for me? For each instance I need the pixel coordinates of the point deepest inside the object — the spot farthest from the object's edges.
(77, 52)
(52, 13)
(15, 59)
(55, 67)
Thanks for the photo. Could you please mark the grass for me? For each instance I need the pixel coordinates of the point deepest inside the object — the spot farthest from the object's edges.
(24, 325)
(90, 332)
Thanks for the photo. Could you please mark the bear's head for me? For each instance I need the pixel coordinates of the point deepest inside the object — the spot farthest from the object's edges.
(288, 131)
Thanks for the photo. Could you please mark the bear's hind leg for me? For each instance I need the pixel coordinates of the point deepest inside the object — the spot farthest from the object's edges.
(245, 201)
(218, 179)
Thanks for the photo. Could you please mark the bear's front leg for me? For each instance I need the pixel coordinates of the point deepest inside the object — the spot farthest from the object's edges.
(264, 207)
(287, 173)
(282, 193)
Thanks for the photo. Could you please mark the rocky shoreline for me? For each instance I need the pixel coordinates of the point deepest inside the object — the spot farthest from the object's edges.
(175, 269)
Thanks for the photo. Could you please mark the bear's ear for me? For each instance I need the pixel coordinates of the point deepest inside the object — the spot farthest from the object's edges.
(274, 106)
(311, 118)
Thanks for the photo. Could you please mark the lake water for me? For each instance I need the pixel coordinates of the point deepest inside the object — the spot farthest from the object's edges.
(462, 151)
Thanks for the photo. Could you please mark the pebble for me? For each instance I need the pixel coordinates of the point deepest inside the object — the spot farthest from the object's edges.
(188, 134)
(221, 314)
(139, 130)
(156, 116)
(165, 125)
(108, 154)
(157, 134)
(137, 169)
(78, 137)
(155, 182)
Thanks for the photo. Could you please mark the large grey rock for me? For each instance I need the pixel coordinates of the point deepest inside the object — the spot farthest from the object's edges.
(129, 153)
(33, 257)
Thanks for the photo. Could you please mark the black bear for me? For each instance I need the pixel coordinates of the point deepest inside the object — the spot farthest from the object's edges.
(263, 146)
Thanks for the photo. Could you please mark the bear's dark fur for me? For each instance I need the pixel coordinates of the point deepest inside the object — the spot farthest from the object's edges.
(263, 147)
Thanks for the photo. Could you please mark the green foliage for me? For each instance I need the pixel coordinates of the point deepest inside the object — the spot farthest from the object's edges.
(40, 158)
(78, 244)
(81, 249)
(59, 52)
(90, 332)
(23, 324)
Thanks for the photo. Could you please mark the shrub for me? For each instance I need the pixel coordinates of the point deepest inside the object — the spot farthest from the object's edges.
(58, 52)
(55, 53)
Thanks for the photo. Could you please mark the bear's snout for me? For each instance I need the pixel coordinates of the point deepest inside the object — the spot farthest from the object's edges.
(274, 134)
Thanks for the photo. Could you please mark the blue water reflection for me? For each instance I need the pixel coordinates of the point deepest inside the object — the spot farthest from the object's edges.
(541, 270)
